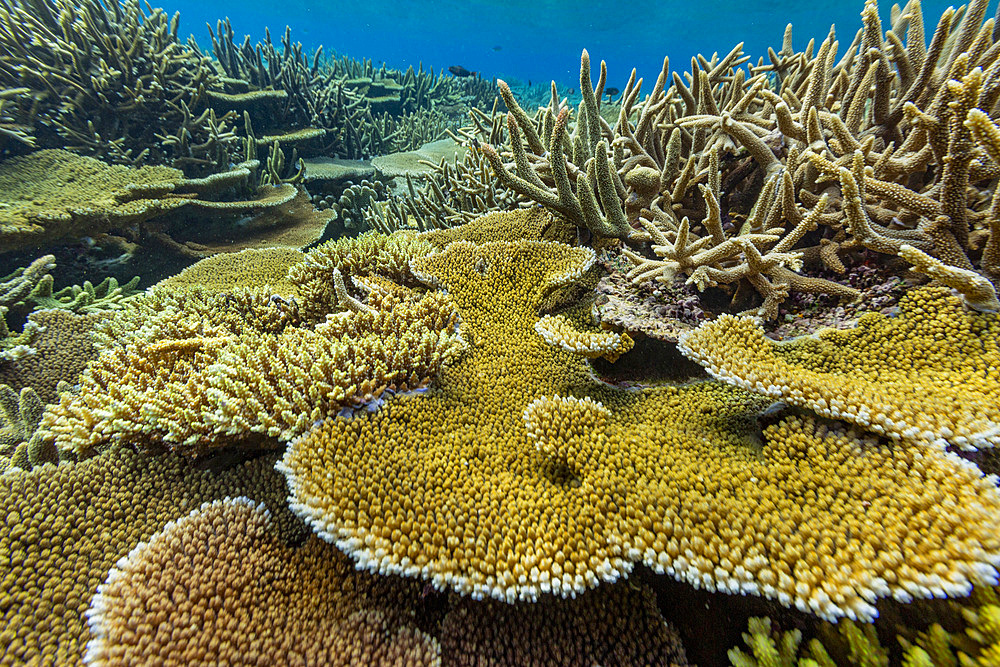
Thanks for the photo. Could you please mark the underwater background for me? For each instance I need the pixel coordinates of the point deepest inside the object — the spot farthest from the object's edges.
(538, 41)
(334, 335)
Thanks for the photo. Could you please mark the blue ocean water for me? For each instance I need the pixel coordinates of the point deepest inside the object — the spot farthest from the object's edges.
(537, 40)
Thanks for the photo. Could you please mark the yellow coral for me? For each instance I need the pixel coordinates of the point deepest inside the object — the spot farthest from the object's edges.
(251, 268)
(207, 370)
(517, 474)
(370, 253)
(559, 331)
(930, 375)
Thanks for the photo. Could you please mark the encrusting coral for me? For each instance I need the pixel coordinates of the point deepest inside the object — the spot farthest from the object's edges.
(930, 375)
(517, 474)
(248, 599)
(64, 527)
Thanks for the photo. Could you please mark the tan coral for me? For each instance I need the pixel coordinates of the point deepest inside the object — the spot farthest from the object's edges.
(518, 475)
(64, 527)
(616, 624)
(210, 370)
(930, 375)
(248, 598)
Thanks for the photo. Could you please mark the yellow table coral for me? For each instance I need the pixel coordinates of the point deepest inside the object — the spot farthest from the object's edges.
(931, 375)
(517, 474)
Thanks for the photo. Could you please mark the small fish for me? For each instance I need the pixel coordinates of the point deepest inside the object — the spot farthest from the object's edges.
(497, 48)
(611, 92)
(458, 70)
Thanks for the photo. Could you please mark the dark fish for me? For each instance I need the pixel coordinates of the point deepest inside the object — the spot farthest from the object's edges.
(497, 47)
(458, 70)
(611, 92)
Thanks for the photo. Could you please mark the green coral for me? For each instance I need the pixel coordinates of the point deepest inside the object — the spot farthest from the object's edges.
(858, 645)
(20, 415)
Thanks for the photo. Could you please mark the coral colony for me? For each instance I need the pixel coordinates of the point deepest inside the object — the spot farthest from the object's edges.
(426, 370)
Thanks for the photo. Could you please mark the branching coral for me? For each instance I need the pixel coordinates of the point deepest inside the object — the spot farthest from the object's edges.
(727, 170)
(931, 375)
(207, 369)
(372, 253)
(110, 80)
(491, 484)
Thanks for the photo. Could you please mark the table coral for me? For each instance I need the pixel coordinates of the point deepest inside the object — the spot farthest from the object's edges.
(250, 268)
(490, 485)
(51, 195)
(248, 598)
(387, 255)
(64, 527)
(930, 375)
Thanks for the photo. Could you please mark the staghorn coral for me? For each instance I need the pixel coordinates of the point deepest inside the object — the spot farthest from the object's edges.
(64, 527)
(927, 376)
(249, 599)
(728, 169)
(211, 369)
(449, 486)
(111, 81)
(616, 624)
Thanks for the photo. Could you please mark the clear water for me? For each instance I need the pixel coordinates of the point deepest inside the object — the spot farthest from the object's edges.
(537, 40)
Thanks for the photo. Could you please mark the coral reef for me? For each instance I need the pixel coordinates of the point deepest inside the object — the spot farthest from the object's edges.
(420, 395)
(930, 375)
(67, 525)
(248, 598)
(518, 475)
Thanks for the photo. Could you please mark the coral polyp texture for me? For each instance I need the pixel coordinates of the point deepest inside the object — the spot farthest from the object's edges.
(930, 375)
(219, 586)
(518, 475)
(199, 370)
(66, 525)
